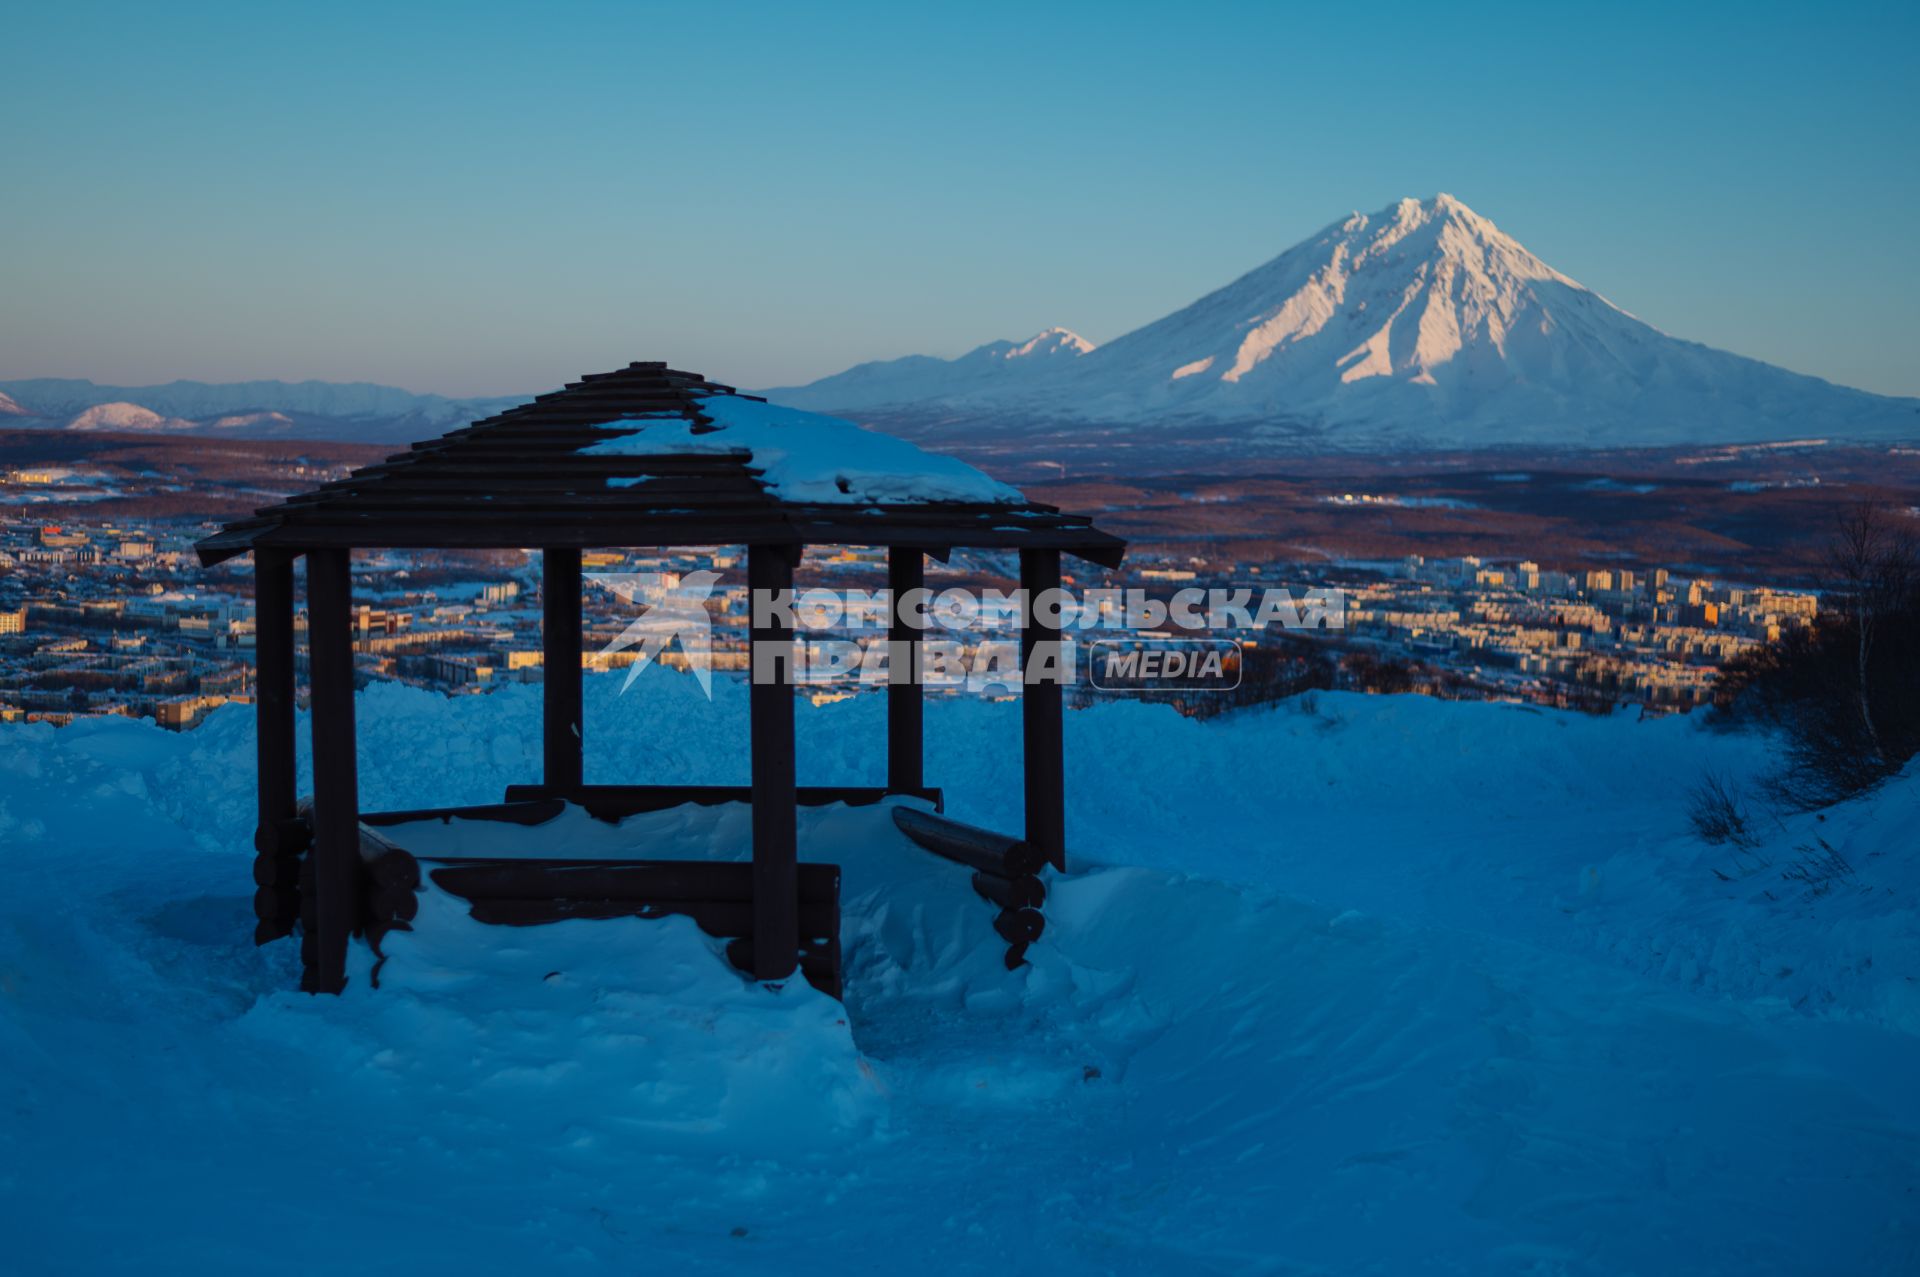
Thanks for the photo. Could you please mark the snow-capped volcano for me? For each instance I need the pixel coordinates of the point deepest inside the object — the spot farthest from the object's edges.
(1421, 323)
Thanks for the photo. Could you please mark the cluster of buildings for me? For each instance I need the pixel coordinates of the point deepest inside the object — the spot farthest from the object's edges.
(104, 619)
(117, 618)
(1644, 636)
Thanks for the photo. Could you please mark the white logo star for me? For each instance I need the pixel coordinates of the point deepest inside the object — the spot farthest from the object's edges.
(681, 614)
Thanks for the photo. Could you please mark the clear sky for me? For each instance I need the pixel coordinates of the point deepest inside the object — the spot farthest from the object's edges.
(474, 198)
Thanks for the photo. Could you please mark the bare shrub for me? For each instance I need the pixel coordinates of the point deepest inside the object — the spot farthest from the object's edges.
(1719, 812)
(1845, 695)
(1365, 671)
(1819, 868)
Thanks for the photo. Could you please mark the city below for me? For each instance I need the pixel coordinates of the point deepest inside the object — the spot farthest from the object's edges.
(104, 616)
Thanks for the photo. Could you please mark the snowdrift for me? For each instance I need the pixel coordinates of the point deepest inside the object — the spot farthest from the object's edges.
(1368, 985)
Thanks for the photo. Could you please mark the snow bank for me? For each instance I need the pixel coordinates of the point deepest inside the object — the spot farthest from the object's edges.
(1388, 986)
(581, 1039)
(804, 456)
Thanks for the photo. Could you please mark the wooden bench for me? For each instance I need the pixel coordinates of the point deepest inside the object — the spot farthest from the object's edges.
(532, 891)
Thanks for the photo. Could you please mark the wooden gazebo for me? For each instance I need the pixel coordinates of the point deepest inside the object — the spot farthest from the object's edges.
(540, 476)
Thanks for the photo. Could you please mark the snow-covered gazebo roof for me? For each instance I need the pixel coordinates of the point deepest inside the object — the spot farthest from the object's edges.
(649, 455)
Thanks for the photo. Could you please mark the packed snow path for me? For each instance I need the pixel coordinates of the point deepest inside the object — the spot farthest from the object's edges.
(1388, 986)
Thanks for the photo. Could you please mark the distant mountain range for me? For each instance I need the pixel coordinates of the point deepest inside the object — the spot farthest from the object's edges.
(1422, 324)
(1419, 325)
(245, 410)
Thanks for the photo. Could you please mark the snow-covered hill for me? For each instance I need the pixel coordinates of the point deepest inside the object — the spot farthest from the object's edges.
(248, 409)
(1317, 997)
(1422, 323)
(125, 416)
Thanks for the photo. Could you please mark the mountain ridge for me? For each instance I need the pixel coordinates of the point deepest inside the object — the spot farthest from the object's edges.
(312, 409)
(1420, 324)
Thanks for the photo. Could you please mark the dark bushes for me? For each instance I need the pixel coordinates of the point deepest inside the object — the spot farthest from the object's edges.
(1719, 813)
(1846, 693)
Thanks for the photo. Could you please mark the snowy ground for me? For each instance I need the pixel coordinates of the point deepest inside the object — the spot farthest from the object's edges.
(1386, 986)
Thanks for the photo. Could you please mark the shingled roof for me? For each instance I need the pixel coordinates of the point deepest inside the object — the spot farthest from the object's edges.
(546, 473)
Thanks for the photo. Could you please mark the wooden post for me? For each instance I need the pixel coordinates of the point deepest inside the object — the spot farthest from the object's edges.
(560, 656)
(273, 694)
(906, 708)
(336, 796)
(776, 898)
(1041, 707)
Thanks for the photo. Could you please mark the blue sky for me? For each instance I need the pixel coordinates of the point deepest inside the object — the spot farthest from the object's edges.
(489, 199)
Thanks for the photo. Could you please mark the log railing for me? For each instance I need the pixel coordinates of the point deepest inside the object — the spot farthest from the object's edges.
(277, 868)
(1006, 872)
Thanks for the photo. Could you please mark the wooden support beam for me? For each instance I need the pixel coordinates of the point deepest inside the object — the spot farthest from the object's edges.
(279, 836)
(336, 797)
(283, 837)
(560, 656)
(906, 706)
(275, 902)
(776, 931)
(820, 964)
(276, 869)
(1042, 705)
(273, 694)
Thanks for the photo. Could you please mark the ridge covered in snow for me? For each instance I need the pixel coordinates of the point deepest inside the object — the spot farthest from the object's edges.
(1422, 323)
(997, 368)
(247, 409)
(55, 396)
(125, 416)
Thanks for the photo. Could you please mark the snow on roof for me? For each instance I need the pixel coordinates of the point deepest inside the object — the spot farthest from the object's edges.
(807, 457)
